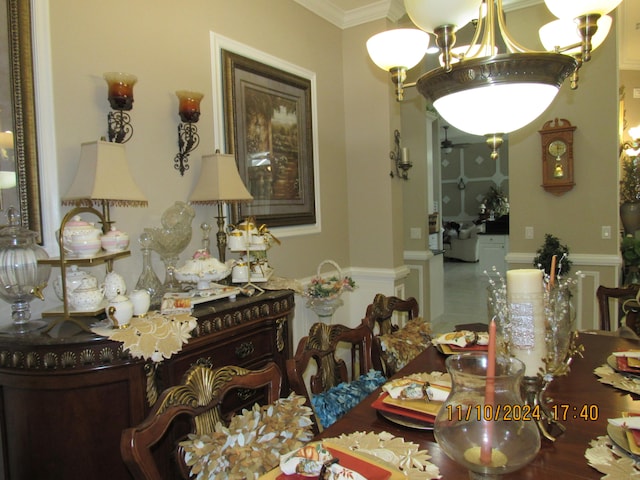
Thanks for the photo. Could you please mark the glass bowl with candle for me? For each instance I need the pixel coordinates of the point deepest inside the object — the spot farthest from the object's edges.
(484, 424)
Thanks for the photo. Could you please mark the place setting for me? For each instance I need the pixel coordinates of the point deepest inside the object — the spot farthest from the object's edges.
(617, 454)
(356, 456)
(461, 341)
(415, 400)
(622, 371)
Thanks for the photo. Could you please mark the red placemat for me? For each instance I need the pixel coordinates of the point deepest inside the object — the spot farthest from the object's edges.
(379, 404)
(368, 470)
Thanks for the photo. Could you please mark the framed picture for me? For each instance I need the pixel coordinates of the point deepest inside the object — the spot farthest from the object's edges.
(268, 125)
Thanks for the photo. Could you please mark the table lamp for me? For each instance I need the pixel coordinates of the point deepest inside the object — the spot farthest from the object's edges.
(103, 177)
(219, 183)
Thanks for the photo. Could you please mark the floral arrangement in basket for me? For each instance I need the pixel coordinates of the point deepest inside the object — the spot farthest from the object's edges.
(329, 288)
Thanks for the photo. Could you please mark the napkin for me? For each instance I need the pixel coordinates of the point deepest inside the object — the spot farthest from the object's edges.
(628, 354)
(409, 389)
(626, 422)
(308, 461)
(463, 338)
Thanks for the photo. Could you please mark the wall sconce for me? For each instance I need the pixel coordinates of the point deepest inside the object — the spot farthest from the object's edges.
(121, 100)
(188, 138)
(400, 157)
(632, 148)
(461, 184)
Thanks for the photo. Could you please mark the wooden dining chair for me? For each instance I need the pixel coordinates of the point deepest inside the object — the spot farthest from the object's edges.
(605, 295)
(150, 449)
(319, 364)
(394, 344)
(379, 313)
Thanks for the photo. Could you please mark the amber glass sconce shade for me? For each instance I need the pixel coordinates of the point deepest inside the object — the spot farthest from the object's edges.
(121, 101)
(188, 138)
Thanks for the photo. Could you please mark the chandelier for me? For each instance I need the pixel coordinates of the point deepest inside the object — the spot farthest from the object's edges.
(477, 88)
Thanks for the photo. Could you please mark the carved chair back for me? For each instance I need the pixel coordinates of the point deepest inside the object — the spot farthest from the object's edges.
(380, 312)
(199, 397)
(620, 294)
(321, 349)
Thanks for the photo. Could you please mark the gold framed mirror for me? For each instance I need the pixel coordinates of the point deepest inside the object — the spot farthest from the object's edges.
(17, 115)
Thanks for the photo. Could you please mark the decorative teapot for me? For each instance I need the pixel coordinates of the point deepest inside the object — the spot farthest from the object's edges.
(74, 278)
(120, 311)
(80, 238)
(114, 285)
(86, 297)
(115, 240)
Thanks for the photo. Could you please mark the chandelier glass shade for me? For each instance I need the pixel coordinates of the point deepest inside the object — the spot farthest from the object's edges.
(483, 91)
(564, 32)
(496, 95)
(576, 8)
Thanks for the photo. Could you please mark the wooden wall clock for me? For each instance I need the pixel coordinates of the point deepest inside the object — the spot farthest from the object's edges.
(557, 156)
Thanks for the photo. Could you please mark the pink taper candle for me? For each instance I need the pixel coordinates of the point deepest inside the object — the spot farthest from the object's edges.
(485, 449)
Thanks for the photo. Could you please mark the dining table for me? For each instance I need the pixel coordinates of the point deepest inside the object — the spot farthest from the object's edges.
(575, 393)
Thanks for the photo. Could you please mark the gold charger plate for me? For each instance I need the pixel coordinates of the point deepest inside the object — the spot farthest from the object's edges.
(619, 436)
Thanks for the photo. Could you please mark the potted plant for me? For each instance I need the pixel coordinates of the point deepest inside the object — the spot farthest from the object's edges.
(544, 256)
(630, 194)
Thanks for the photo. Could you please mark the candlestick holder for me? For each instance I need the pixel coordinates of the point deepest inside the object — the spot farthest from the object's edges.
(121, 100)
(188, 138)
(533, 389)
(552, 358)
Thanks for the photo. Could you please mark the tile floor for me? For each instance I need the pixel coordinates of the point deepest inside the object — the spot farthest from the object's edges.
(465, 296)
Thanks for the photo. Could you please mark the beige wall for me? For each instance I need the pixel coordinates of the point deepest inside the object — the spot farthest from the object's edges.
(167, 45)
(578, 216)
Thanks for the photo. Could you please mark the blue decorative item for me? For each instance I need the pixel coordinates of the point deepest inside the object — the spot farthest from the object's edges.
(335, 402)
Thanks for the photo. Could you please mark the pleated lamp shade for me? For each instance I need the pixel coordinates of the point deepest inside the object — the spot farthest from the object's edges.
(219, 182)
(103, 176)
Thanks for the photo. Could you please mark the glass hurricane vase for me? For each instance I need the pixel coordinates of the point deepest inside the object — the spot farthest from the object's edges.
(483, 427)
(171, 239)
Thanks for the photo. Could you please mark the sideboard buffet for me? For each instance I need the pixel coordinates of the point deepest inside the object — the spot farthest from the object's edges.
(67, 395)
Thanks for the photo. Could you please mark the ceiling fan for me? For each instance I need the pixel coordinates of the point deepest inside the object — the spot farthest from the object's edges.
(447, 145)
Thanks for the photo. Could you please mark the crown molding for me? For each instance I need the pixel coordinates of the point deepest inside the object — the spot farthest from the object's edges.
(341, 18)
(333, 12)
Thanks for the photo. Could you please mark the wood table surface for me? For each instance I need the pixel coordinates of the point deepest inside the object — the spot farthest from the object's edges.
(563, 459)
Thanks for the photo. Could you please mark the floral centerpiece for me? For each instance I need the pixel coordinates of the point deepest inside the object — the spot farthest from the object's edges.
(323, 294)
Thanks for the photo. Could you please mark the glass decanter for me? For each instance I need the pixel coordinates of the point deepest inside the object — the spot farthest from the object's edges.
(22, 278)
(488, 430)
(148, 279)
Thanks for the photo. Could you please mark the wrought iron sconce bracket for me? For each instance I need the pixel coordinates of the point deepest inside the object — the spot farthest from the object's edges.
(120, 128)
(400, 158)
(188, 141)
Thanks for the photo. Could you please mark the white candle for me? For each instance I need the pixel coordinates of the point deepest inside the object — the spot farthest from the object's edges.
(405, 156)
(525, 295)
